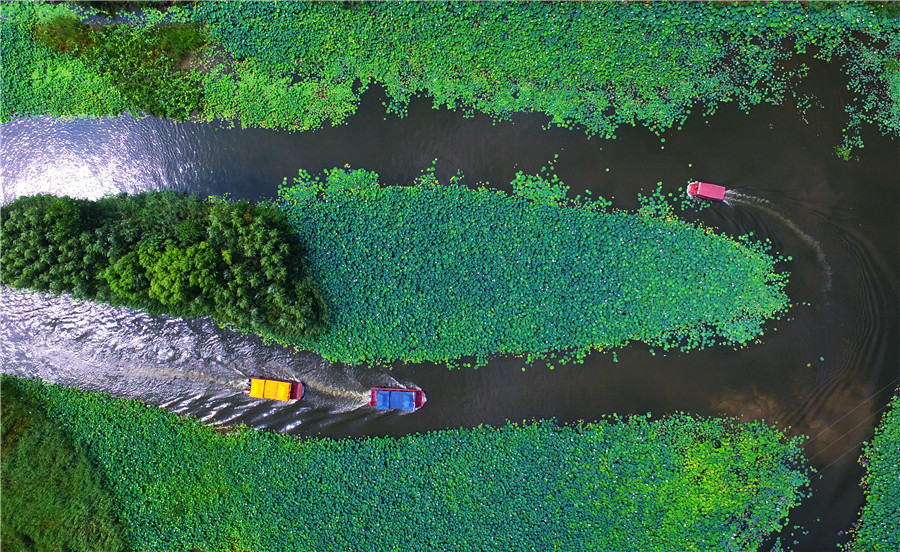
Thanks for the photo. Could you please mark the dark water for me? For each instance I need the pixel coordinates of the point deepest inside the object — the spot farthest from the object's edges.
(837, 219)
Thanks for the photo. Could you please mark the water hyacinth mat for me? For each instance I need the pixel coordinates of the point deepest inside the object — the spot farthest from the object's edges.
(437, 272)
(637, 483)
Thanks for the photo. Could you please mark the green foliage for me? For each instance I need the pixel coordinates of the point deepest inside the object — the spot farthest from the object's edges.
(435, 273)
(875, 83)
(145, 65)
(594, 65)
(127, 279)
(38, 80)
(538, 190)
(678, 483)
(44, 246)
(270, 290)
(166, 252)
(879, 528)
(142, 65)
(52, 496)
(64, 33)
(110, 8)
(180, 277)
(178, 41)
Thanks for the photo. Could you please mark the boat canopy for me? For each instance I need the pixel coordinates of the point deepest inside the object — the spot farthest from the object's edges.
(270, 389)
(395, 400)
(706, 190)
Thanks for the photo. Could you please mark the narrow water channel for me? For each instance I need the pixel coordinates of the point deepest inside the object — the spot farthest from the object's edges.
(826, 370)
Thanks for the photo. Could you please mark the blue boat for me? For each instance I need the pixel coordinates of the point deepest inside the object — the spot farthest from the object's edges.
(396, 399)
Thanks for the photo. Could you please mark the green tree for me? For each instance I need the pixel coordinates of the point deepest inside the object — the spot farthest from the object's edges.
(168, 253)
(183, 280)
(127, 279)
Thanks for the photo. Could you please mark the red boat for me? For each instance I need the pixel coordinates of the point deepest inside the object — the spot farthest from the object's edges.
(704, 190)
(396, 399)
(279, 390)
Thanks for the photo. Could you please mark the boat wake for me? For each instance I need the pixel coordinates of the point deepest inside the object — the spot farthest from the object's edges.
(734, 198)
(837, 385)
(335, 391)
(189, 366)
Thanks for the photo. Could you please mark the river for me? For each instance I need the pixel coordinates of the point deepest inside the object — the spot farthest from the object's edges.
(826, 372)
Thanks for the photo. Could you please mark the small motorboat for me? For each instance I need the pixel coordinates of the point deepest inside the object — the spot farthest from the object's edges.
(704, 190)
(279, 390)
(396, 399)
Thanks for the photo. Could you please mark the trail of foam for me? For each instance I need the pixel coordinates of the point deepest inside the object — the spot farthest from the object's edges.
(868, 328)
(335, 391)
(192, 367)
(862, 355)
(733, 198)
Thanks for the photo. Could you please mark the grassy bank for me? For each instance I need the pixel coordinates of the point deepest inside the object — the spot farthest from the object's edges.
(52, 496)
(678, 483)
(433, 272)
(879, 525)
(594, 66)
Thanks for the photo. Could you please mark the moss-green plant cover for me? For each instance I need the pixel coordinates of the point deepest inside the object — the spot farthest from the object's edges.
(594, 65)
(51, 495)
(38, 80)
(55, 64)
(677, 483)
(879, 527)
(433, 272)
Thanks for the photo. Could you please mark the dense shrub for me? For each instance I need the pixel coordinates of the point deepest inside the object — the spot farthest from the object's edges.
(165, 252)
(145, 65)
(110, 8)
(52, 495)
(679, 483)
(64, 33)
(38, 80)
(879, 528)
(433, 273)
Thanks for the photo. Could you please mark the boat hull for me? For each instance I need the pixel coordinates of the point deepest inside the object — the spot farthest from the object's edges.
(279, 390)
(704, 190)
(396, 399)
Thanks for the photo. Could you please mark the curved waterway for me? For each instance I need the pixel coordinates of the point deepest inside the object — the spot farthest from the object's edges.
(825, 370)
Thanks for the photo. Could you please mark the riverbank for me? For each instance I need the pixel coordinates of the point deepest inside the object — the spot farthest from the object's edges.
(286, 66)
(877, 529)
(614, 484)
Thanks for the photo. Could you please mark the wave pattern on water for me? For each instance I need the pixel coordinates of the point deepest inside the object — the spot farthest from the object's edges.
(91, 158)
(735, 198)
(833, 398)
(188, 366)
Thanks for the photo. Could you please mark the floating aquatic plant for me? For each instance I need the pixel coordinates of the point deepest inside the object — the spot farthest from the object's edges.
(676, 483)
(433, 272)
(879, 527)
(589, 65)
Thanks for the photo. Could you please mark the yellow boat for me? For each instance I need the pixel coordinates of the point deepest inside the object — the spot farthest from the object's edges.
(279, 390)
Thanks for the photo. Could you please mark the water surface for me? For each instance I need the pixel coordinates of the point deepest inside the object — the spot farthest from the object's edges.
(826, 370)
